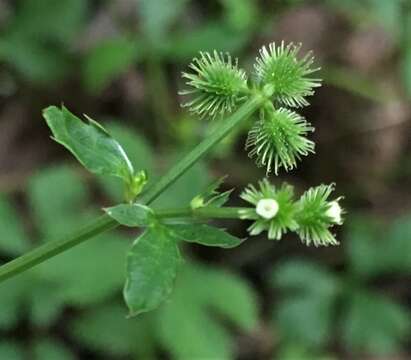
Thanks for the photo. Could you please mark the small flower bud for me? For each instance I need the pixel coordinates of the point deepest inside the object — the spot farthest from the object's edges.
(267, 208)
(334, 212)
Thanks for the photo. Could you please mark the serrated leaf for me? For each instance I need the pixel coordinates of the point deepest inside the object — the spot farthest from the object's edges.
(133, 215)
(151, 268)
(199, 334)
(138, 151)
(375, 324)
(205, 235)
(89, 142)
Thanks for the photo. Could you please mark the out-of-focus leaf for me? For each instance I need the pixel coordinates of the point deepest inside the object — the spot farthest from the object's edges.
(199, 334)
(90, 143)
(185, 188)
(294, 352)
(151, 269)
(240, 14)
(208, 37)
(11, 350)
(75, 273)
(375, 324)
(134, 215)
(304, 316)
(205, 235)
(38, 63)
(108, 60)
(57, 196)
(121, 338)
(157, 16)
(37, 40)
(12, 297)
(137, 149)
(374, 249)
(51, 349)
(45, 303)
(13, 240)
(42, 20)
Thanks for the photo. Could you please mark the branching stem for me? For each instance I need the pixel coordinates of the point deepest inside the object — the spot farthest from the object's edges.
(105, 223)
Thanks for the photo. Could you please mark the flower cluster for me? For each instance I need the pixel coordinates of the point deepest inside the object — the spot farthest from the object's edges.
(277, 212)
(279, 138)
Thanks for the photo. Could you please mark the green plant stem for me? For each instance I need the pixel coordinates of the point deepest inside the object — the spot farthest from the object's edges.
(52, 248)
(203, 213)
(105, 223)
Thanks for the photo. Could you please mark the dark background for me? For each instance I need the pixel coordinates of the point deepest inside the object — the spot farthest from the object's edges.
(120, 63)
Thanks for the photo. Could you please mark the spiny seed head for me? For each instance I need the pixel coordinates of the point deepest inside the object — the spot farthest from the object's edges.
(316, 215)
(279, 139)
(217, 85)
(281, 215)
(288, 75)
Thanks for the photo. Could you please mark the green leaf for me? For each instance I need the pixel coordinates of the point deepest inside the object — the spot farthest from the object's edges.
(134, 215)
(49, 20)
(205, 235)
(374, 250)
(57, 197)
(90, 143)
(199, 333)
(51, 349)
(107, 61)
(305, 314)
(13, 239)
(11, 350)
(151, 268)
(121, 338)
(138, 151)
(375, 324)
(208, 37)
(157, 16)
(185, 188)
(73, 274)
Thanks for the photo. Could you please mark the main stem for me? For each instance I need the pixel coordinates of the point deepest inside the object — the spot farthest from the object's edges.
(105, 223)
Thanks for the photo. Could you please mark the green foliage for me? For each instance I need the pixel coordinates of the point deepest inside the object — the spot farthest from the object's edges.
(196, 309)
(279, 139)
(38, 38)
(205, 235)
(313, 298)
(151, 268)
(13, 240)
(136, 215)
(90, 143)
(107, 60)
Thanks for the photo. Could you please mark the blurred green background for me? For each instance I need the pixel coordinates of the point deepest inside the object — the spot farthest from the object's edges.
(120, 62)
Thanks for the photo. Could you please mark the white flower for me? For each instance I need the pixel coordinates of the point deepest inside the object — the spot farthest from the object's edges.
(334, 212)
(267, 208)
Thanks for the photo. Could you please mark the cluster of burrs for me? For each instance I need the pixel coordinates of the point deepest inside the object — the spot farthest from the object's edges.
(278, 138)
